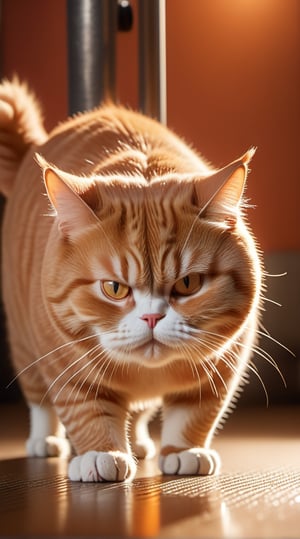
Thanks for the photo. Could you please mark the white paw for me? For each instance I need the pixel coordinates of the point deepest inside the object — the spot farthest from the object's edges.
(195, 461)
(144, 449)
(51, 446)
(95, 466)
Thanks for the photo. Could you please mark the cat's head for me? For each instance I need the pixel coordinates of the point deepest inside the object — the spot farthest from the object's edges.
(159, 270)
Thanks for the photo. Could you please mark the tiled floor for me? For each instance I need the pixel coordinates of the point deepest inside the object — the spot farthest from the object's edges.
(257, 494)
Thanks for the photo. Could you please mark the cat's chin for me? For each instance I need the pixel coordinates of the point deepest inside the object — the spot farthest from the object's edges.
(151, 354)
(153, 351)
(155, 354)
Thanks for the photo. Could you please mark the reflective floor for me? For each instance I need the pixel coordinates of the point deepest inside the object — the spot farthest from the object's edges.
(257, 494)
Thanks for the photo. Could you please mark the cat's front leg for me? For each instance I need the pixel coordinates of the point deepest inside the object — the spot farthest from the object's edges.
(185, 440)
(99, 466)
(47, 435)
(98, 431)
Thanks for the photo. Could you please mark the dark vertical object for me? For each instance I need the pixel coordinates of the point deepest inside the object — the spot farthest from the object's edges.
(152, 58)
(125, 16)
(6, 371)
(92, 26)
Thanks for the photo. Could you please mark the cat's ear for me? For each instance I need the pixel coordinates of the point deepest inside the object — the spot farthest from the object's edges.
(73, 214)
(219, 195)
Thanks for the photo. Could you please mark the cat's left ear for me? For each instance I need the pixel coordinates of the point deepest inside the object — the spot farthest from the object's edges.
(63, 190)
(219, 195)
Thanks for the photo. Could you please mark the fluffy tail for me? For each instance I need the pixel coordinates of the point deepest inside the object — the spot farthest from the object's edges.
(21, 125)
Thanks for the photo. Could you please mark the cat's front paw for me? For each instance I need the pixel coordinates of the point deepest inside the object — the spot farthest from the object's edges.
(49, 446)
(95, 466)
(195, 461)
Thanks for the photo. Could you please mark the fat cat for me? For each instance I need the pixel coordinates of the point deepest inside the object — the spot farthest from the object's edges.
(130, 281)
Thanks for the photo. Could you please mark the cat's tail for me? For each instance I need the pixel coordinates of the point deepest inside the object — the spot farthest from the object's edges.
(21, 126)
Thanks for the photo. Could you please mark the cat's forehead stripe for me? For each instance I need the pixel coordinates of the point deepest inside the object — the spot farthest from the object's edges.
(127, 268)
(134, 267)
(185, 261)
(117, 268)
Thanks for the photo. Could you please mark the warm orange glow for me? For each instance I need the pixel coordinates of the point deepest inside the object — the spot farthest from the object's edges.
(233, 81)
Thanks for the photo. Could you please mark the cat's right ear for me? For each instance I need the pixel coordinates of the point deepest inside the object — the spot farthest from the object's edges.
(220, 194)
(73, 214)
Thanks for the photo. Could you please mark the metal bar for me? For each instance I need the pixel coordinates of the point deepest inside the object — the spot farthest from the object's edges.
(92, 26)
(152, 58)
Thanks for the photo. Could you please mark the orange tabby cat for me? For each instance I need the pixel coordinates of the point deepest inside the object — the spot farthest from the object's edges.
(141, 286)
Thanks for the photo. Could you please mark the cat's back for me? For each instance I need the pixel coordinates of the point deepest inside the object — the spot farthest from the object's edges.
(113, 140)
(110, 140)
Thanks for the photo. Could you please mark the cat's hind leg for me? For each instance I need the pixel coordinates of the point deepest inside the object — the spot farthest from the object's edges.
(47, 435)
(185, 441)
(142, 444)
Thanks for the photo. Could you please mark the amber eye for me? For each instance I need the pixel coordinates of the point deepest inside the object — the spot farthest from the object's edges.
(115, 290)
(188, 285)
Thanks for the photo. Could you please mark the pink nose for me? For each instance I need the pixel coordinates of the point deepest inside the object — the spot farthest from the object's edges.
(152, 319)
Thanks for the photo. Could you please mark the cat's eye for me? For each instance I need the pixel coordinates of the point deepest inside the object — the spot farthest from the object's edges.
(115, 290)
(188, 285)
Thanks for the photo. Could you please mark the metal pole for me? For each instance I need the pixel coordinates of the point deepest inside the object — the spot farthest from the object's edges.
(152, 58)
(92, 26)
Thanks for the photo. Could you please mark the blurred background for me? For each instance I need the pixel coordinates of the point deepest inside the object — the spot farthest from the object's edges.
(233, 81)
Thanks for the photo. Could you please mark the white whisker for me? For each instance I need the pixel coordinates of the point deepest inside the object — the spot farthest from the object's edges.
(284, 274)
(208, 375)
(255, 349)
(272, 301)
(182, 249)
(86, 366)
(211, 364)
(251, 367)
(192, 365)
(268, 336)
(65, 345)
(65, 371)
(102, 373)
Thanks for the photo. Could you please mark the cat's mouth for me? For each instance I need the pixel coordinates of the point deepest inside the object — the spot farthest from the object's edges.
(152, 350)
(147, 351)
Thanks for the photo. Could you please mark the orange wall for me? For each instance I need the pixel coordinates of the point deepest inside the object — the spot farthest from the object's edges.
(233, 82)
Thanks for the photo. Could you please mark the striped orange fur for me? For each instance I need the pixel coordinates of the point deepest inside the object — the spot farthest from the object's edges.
(130, 279)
